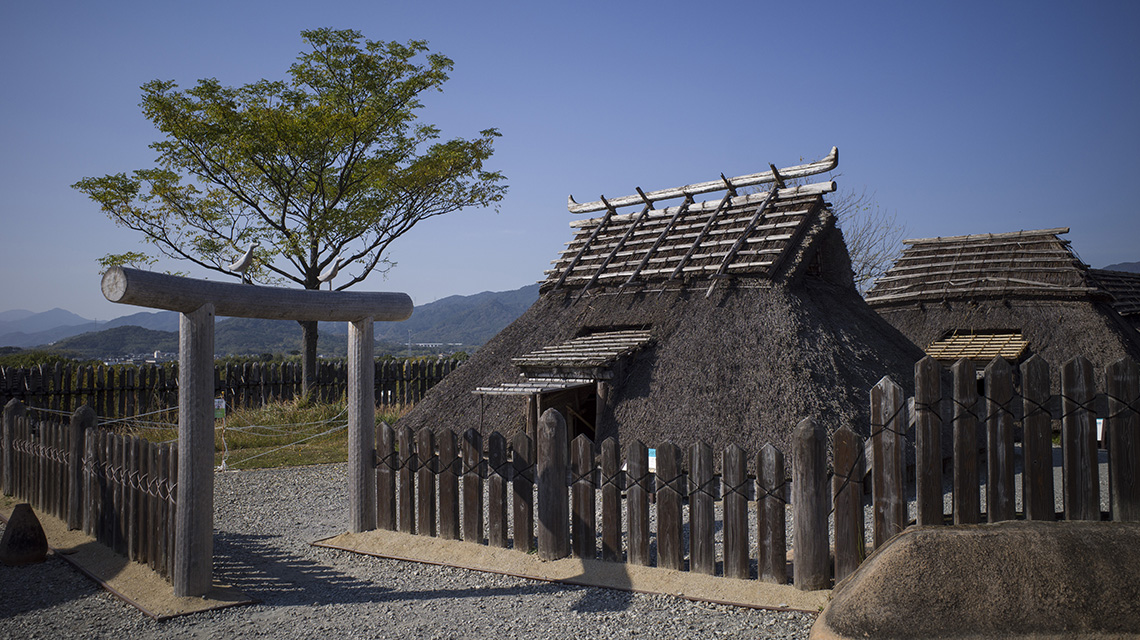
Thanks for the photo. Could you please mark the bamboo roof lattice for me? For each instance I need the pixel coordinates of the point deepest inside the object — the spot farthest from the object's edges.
(1027, 264)
(979, 347)
(733, 235)
(594, 350)
(532, 386)
(1124, 286)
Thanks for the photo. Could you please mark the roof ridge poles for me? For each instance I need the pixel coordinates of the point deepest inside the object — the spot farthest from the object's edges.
(610, 211)
(660, 238)
(743, 236)
(705, 229)
(621, 243)
(827, 163)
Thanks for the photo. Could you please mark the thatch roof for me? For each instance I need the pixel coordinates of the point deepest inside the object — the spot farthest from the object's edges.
(726, 321)
(1124, 287)
(1028, 282)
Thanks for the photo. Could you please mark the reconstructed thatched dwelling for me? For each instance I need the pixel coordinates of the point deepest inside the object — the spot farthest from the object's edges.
(1013, 294)
(726, 321)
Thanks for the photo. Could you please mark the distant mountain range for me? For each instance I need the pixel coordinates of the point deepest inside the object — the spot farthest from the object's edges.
(1134, 267)
(467, 321)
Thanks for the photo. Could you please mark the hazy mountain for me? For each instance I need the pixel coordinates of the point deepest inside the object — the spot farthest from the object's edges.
(1134, 267)
(466, 320)
(21, 321)
(15, 314)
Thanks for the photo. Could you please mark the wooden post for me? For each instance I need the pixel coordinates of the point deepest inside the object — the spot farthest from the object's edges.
(385, 477)
(810, 504)
(449, 469)
(1037, 442)
(1123, 424)
(473, 486)
(670, 494)
(584, 521)
(702, 553)
(194, 519)
(497, 490)
(967, 506)
(1078, 442)
(735, 513)
(771, 516)
(405, 442)
(999, 441)
(429, 468)
(90, 481)
(361, 427)
(553, 499)
(637, 497)
(523, 491)
(888, 422)
(847, 492)
(611, 501)
(12, 412)
(928, 440)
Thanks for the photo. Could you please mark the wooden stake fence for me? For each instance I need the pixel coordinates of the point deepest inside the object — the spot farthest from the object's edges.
(581, 487)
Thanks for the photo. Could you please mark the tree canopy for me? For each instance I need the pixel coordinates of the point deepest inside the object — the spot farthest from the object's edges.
(330, 162)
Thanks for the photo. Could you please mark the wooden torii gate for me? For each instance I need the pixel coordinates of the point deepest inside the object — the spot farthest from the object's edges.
(198, 301)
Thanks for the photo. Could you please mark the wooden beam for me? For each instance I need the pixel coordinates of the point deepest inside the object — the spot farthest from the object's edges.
(740, 239)
(990, 236)
(660, 238)
(161, 291)
(824, 165)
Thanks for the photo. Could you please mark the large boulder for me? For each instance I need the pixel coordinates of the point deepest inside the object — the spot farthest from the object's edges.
(1007, 579)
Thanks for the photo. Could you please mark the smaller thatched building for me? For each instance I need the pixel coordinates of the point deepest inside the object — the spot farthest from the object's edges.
(726, 321)
(1009, 294)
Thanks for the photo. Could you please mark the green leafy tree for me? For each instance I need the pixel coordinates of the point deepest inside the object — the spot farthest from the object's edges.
(328, 163)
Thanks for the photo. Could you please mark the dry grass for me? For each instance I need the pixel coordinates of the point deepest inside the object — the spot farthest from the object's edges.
(284, 434)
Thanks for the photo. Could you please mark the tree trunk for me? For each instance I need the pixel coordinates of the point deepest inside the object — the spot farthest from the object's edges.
(308, 357)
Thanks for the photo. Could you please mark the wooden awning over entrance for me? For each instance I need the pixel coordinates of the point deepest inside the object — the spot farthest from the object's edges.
(529, 387)
(979, 347)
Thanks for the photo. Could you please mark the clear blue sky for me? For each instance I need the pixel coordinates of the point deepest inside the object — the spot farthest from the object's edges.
(961, 117)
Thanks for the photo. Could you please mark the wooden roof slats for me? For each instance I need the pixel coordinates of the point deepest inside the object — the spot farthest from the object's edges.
(534, 385)
(595, 350)
(1124, 286)
(1019, 264)
(621, 243)
(824, 165)
(660, 238)
(601, 225)
(756, 217)
(980, 347)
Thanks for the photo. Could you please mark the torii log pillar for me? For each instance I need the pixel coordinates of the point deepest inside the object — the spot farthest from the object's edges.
(199, 301)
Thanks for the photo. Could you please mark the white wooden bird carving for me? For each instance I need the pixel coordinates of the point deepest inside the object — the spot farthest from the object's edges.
(242, 265)
(328, 274)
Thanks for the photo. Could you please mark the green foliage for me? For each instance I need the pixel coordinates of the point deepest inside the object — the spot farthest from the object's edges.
(329, 162)
(37, 357)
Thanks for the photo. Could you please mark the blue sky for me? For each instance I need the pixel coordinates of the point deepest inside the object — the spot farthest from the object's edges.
(959, 117)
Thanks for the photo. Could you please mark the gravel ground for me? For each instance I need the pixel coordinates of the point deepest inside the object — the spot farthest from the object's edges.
(264, 521)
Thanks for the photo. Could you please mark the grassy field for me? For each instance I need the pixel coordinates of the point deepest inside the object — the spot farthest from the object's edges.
(278, 435)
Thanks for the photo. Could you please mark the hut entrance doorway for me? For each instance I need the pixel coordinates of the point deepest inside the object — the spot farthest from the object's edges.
(578, 404)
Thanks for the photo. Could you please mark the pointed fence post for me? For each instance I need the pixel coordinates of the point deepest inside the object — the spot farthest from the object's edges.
(405, 442)
(967, 505)
(1123, 424)
(472, 486)
(736, 492)
(1000, 503)
(449, 469)
(928, 440)
(13, 411)
(888, 423)
(847, 491)
(361, 426)
(522, 498)
(810, 504)
(611, 501)
(194, 510)
(637, 501)
(584, 522)
(670, 494)
(1078, 441)
(1037, 442)
(553, 498)
(429, 468)
(385, 477)
(702, 552)
(771, 517)
(496, 490)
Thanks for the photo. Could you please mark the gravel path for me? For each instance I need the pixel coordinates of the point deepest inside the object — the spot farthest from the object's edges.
(264, 520)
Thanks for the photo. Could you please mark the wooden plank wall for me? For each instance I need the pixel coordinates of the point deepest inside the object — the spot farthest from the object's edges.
(121, 391)
(609, 499)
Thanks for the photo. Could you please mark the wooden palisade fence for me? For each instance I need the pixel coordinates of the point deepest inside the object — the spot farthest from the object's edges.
(121, 391)
(121, 490)
(426, 480)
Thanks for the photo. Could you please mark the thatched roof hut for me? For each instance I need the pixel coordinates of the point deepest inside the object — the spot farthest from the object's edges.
(1010, 294)
(726, 321)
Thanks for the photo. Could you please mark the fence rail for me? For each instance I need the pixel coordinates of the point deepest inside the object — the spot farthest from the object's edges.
(121, 490)
(419, 476)
(121, 391)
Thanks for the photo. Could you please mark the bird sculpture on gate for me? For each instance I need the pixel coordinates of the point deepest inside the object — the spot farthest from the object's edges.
(328, 274)
(244, 262)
